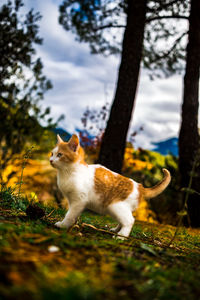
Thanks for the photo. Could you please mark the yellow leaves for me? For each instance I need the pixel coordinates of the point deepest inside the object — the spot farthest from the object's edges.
(34, 197)
(143, 213)
(157, 265)
(33, 167)
(132, 163)
(37, 181)
(140, 165)
(8, 170)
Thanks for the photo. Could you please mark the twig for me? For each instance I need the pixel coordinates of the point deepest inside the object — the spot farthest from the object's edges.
(49, 214)
(24, 162)
(130, 238)
(176, 232)
(103, 230)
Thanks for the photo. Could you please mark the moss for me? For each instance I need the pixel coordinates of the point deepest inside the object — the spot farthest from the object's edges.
(89, 264)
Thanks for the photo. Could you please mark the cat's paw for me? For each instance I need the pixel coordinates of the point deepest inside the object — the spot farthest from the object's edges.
(60, 225)
(119, 237)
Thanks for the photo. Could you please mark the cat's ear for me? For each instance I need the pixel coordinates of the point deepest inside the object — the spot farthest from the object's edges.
(59, 140)
(74, 143)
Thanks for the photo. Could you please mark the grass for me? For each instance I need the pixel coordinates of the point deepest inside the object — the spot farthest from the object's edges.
(89, 263)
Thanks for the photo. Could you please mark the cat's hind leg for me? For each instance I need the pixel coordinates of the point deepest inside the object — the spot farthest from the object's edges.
(122, 213)
(116, 229)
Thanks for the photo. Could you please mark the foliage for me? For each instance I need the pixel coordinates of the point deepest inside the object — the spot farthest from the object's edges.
(10, 199)
(34, 176)
(22, 83)
(11, 196)
(134, 162)
(90, 19)
(165, 35)
(101, 24)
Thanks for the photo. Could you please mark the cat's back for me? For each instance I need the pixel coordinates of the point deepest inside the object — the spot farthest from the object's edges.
(110, 186)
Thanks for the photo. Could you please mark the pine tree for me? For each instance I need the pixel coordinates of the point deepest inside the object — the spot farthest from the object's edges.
(98, 23)
(22, 83)
(189, 142)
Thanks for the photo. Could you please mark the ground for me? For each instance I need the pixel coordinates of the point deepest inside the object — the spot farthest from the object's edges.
(39, 261)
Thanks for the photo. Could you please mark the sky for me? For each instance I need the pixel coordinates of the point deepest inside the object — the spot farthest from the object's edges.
(82, 80)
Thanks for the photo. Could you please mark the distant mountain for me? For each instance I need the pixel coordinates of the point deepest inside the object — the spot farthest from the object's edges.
(62, 133)
(169, 146)
(65, 135)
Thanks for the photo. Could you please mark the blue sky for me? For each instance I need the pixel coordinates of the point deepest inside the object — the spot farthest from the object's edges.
(81, 79)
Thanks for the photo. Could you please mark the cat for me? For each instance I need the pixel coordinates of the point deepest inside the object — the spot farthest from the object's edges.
(97, 188)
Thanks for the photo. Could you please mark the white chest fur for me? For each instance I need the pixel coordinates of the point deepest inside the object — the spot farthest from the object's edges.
(77, 181)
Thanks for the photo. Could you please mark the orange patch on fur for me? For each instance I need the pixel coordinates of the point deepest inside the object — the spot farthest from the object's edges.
(111, 187)
(81, 154)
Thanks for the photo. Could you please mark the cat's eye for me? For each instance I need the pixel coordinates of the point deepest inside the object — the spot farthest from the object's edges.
(59, 154)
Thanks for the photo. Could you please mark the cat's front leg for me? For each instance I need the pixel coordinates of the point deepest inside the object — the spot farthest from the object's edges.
(71, 216)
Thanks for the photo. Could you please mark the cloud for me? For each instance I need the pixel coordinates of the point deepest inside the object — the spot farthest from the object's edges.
(79, 79)
(157, 109)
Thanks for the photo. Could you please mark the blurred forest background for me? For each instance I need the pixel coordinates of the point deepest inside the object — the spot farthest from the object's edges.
(150, 41)
(161, 259)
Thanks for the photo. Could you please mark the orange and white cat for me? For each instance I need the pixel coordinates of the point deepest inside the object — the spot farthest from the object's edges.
(97, 188)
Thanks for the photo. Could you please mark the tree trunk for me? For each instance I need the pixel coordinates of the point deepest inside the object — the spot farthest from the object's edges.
(189, 136)
(114, 139)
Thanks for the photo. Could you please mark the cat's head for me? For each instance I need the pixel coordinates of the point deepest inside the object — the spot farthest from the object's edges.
(66, 153)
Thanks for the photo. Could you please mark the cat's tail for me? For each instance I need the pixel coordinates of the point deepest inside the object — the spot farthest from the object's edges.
(158, 188)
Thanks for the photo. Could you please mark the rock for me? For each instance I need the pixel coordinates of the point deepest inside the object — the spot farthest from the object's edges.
(35, 212)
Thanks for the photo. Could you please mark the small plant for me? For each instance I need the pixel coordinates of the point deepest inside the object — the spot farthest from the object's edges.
(188, 190)
(24, 163)
(10, 200)
(9, 196)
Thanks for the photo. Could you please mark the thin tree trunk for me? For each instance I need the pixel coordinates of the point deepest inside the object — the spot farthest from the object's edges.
(189, 136)
(114, 139)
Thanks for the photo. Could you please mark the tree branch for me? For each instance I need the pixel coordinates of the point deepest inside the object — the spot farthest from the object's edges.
(163, 6)
(108, 26)
(171, 49)
(148, 20)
